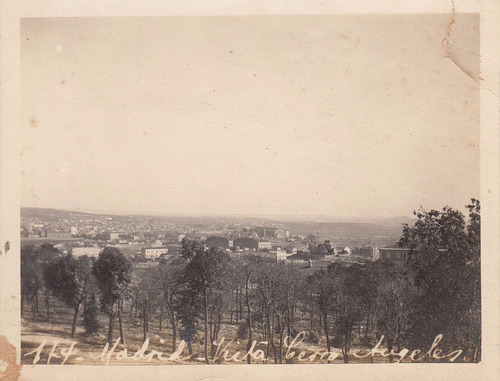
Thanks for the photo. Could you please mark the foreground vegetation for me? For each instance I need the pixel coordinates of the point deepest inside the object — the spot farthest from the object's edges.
(204, 299)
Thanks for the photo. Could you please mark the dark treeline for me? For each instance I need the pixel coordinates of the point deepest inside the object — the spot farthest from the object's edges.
(202, 291)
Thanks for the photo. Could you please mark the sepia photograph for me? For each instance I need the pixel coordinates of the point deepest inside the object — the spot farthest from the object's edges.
(269, 189)
(218, 190)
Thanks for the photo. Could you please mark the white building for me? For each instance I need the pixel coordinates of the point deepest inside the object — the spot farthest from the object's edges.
(281, 254)
(114, 236)
(264, 245)
(88, 251)
(153, 252)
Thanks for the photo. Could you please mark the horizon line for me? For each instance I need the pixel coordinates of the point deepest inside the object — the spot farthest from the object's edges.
(181, 214)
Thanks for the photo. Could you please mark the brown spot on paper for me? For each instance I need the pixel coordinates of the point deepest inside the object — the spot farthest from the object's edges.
(9, 369)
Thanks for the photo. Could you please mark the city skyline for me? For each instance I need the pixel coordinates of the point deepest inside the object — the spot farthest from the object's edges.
(285, 115)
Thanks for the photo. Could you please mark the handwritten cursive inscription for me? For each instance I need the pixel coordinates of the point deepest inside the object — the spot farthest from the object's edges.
(223, 352)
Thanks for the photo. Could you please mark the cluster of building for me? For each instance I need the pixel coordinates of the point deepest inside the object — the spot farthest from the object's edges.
(319, 250)
(50, 234)
(94, 251)
(267, 244)
(150, 238)
(47, 223)
(396, 255)
(248, 244)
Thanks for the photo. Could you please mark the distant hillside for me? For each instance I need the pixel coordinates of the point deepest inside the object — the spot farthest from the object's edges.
(45, 213)
(355, 228)
(391, 221)
(339, 229)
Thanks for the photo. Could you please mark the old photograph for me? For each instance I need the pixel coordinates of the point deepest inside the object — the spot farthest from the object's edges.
(253, 189)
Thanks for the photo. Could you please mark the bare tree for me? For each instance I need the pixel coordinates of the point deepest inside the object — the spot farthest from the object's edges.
(168, 276)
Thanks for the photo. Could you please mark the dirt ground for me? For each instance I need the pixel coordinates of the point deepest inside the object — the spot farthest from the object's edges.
(45, 342)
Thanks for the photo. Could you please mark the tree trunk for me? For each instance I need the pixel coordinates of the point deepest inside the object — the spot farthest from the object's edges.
(235, 306)
(281, 347)
(110, 326)
(389, 347)
(206, 324)
(240, 303)
(398, 336)
(161, 316)
(367, 324)
(345, 344)
(249, 321)
(174, 337)
(144, 323)
(270, 327)
(325, 328)
(311, 312)
(47, 305)
(131, 309)
(75, 316)
(171, 317)
(120, 322)
(280, 360)
(210, 333)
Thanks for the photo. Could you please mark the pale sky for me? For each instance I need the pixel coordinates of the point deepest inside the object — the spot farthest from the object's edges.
(298, 115)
